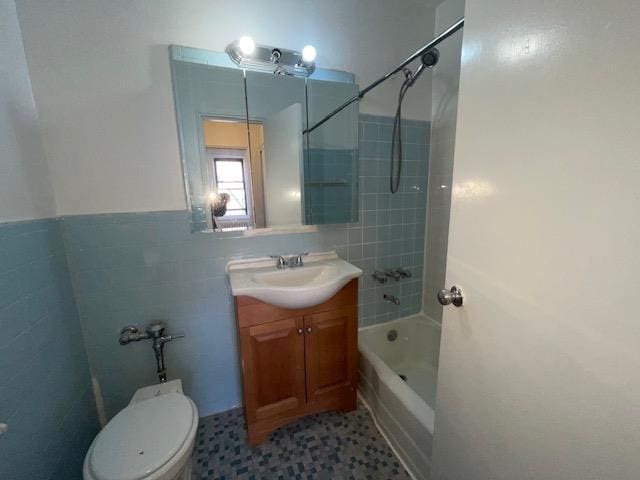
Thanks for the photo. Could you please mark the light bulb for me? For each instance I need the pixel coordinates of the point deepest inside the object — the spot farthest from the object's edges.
(308, 53)
(247, 45)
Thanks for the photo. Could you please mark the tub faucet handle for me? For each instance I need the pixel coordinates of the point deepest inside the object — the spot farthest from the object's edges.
(393, 274)
(403, 272)
(379, 277)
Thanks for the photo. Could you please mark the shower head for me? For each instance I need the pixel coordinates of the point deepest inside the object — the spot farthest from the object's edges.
(428, 60)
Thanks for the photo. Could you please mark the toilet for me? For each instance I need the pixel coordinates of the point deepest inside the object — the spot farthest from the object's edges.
(150, 439)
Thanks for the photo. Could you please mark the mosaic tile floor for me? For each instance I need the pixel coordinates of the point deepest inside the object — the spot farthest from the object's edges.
(327, 446)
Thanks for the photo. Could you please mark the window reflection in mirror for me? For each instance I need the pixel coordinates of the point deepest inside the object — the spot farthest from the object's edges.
(234, 174)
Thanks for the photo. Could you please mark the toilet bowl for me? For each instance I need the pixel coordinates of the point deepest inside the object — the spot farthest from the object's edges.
(150, 439)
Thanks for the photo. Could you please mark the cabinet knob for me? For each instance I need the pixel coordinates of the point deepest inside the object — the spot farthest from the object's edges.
(300, 331)
(309, 330)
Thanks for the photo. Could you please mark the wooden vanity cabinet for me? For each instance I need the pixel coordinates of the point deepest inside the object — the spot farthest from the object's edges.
(297, 362)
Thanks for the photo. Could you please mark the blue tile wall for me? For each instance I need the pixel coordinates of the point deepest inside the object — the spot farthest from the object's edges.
(391, 232)
(45, 391)
(329, 186)
(133, 268)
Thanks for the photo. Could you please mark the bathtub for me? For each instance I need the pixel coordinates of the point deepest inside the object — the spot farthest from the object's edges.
(398, 384)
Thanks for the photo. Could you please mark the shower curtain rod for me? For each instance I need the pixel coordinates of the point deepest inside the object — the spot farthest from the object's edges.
(444, 35)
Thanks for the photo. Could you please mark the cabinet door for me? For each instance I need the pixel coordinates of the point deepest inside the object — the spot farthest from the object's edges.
(331, 353)
(273, 367)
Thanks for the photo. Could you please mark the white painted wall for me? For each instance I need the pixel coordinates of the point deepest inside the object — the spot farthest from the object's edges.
(101, 79)
(25, 190)
(539, 372)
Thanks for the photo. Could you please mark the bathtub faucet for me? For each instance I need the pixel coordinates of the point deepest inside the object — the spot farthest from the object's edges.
(391, 299)
(379, 277)
(397, 273)
(393, 274)
(403, 272)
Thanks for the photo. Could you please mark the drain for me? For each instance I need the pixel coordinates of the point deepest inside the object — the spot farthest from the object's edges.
(392, 335)
(403, 377)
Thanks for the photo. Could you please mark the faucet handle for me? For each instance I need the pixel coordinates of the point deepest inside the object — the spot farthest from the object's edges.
(379, 277)
(403, 272)
(129, 333)
(168, 338)
(129, 329)
(393, 274)
(298, 259)
(281, 262)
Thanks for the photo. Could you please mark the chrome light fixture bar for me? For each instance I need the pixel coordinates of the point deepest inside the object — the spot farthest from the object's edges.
(263, 58)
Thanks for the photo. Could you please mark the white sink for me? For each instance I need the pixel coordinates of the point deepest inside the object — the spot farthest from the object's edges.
(321, 277)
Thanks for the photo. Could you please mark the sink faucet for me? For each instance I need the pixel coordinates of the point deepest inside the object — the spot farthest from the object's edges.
(281, 262)
(291, 262)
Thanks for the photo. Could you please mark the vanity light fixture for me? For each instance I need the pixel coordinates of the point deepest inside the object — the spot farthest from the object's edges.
(247, 45)
(247, 54)
(309, 53)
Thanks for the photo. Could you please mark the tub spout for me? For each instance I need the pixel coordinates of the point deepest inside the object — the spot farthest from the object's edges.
(391, 299)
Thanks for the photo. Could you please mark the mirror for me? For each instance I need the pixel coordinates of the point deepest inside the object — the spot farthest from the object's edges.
(247, 162)
(277, 104)
(203, 92)
(331, 161)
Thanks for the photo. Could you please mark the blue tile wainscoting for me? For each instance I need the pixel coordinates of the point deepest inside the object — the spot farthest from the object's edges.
(45, 387)
(132, 268)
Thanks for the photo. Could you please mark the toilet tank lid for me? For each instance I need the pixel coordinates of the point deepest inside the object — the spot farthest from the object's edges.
(143, 437)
